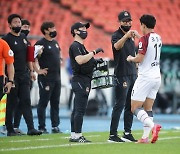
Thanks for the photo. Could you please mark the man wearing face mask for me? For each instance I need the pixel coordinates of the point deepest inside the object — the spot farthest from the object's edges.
(20, 92)
(82, 63)
(48, 65)
(122, 46)
(25, 29)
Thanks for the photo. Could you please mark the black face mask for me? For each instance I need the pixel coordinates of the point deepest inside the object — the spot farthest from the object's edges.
(26, 32)
(53, 34)
(83, 34)
(16, 29)
(125, 28)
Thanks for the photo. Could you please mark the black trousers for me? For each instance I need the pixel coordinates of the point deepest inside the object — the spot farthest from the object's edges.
(81, 91)
(18, 112)
(48, 91)
(123, 101)
(20, 95)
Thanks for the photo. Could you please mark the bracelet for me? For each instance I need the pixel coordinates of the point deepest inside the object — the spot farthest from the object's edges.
(11, 81)
(31, 70)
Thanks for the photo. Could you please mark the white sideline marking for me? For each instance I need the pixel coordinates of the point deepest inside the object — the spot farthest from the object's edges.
(75, 144)
(169, 138)
(67, 137)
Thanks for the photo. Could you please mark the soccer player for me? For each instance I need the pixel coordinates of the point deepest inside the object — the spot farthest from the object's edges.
(149, 79)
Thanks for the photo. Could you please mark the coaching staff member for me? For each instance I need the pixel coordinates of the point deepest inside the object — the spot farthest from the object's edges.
(21, 92)
(49, 77)
(122, 46)
(82, 63)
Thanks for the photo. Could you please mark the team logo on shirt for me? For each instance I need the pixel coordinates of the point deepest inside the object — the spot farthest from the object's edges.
(24, 40)
(57, 46)
(49, 47)
(140, 46)
(15, 43)
(87, 89)
(47, 88)
(125, 84)
(10, 52)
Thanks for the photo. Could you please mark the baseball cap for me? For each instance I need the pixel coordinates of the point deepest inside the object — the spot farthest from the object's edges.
(78, 25)
(124, 16)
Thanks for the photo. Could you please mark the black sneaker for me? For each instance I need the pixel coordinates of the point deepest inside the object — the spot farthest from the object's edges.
(56, 130)
(44, 131)
(128, 138)
(13, 134)
(20, 132)
(34, 132)
(114, 138)
(72, 140)
(81, 139)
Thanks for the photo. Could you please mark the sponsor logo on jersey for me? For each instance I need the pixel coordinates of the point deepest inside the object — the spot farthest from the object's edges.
(125, 84)
(57, 46)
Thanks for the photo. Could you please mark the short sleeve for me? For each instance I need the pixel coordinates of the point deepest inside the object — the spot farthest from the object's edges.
(8, 54)
(114, 39)
(143, 44)
(76, 51)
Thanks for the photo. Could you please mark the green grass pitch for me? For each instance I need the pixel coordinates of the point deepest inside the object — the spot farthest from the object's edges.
(168, 143)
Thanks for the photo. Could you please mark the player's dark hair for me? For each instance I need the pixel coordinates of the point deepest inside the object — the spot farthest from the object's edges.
(46, 25)
(25, 22)
(148, 20)
(12, 16)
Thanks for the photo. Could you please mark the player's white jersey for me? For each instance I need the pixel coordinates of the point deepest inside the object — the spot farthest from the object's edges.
(150, 47)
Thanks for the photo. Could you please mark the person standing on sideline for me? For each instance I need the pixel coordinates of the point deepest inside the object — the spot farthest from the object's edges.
(149, 77)
(20, 94)
(126, 73)
(6, 54)
(82, 63)
(25, 29)
(47, 65)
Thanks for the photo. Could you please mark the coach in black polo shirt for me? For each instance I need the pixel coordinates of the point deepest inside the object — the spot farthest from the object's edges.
(82, 63)
(20, 94)
(49, 77)
(123, 45)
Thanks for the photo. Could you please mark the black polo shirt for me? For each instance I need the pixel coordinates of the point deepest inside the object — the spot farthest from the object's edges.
(19, 46)
(50, 58)
(84, 71)
(122, 66)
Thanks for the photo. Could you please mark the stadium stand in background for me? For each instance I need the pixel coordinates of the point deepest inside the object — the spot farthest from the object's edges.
(102, 14)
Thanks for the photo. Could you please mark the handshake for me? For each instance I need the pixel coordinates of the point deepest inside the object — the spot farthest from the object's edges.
(97, 51)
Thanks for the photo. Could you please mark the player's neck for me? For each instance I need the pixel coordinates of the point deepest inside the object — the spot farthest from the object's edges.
(147, 31)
